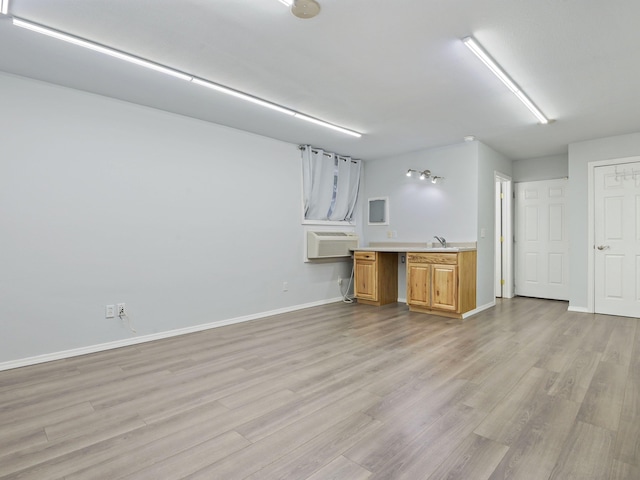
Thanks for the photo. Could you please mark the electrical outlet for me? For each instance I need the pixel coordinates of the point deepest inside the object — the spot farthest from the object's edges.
(340, 281)
(285, 286)
(110, 311)
(121, 309)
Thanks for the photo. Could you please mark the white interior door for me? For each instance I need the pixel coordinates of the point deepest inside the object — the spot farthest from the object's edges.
(617, 239)
(542, 243)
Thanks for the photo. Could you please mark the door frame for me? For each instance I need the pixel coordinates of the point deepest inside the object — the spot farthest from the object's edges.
(591, 236)
(506, 220)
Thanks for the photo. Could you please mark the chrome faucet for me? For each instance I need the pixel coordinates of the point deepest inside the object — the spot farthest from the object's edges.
(442, 240)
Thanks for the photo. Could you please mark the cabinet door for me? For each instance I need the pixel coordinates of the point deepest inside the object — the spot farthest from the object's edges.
(366, 286)
(444, 287)
(418, 284)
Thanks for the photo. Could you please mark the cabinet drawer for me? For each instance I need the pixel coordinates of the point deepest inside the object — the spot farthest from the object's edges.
(365, 255)
(439, 258)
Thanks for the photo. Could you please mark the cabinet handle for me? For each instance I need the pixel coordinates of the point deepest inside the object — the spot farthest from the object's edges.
(603, 247)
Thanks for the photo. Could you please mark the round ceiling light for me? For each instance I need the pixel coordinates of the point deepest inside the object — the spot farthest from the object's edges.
(305, 8)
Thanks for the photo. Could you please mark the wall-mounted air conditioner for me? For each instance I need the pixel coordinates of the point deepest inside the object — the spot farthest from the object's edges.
(330, 244)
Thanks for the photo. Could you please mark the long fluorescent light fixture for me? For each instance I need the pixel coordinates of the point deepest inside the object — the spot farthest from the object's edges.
(306, 118)
(170, 71)
(99, 48)
(243, 96)
(272, 106)
(497, 70)
(4, 7)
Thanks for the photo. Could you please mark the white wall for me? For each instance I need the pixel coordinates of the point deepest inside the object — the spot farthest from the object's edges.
(489, 162)
(103, 201)
(419, 209)
(580, 154)
(541, 168)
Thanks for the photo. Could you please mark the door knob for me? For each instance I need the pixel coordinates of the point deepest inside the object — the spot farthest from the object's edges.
(603, 247)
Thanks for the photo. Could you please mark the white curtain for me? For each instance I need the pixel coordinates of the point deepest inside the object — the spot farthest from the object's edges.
(330, 185)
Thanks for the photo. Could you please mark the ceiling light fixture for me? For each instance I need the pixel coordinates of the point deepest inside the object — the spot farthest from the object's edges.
(243, 96)
(99, 48)
(497, 70)
(4, 7)
(305, 8)
(175, 73)
(423, 175)
(306, 118)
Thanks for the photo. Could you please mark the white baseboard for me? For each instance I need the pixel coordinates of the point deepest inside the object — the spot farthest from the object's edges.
(578, 309)
(49, 357)
(481, 308)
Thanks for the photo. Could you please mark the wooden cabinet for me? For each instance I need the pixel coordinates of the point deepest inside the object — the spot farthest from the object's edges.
(376, 277)
(442, 283)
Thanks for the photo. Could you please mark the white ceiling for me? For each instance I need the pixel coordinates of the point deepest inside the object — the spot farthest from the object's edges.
(394, 70)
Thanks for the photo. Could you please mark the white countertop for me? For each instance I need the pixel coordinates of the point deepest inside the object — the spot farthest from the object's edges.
(398, 247)
(414, 249)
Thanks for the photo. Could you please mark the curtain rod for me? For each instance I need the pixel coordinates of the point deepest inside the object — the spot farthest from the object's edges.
(316, 150)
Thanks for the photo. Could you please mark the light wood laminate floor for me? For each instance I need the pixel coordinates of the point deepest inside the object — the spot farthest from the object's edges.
(525, 390)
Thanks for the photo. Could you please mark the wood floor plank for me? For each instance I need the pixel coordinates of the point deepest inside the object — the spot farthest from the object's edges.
(267, 450)
(476, 458)
(392, 437)
(628, 439)
(500, 382)
(22, 440)
(587, 454)
(190, 460)
(619, 349)
(534, 454)
(20, 424)
(166, 457)
(624, 471)
(341, 469)
(57, 459)
(287, 414)
(573, 382)
(506, 422)
(428, 450)
(604, 398)
(317, 453)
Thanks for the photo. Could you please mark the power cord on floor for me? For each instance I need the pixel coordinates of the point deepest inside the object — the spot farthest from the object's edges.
(345, 295)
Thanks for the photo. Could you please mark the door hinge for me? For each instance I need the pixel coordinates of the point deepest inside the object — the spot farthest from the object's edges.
(501, 195)
(501, 239)
(502, 281)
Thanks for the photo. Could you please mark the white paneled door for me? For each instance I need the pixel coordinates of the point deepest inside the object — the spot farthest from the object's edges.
(542, 244)
(617, 239)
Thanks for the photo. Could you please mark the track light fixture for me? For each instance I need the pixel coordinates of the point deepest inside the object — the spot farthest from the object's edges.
(423, 175)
